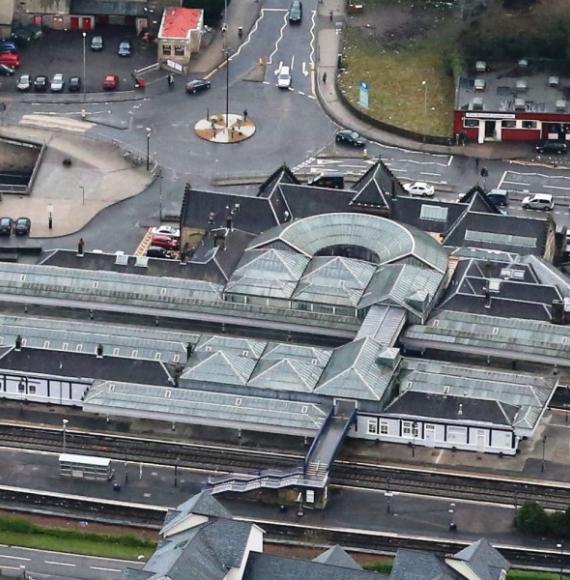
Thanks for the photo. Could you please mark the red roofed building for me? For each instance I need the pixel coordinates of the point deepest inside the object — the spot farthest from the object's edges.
(180, 34)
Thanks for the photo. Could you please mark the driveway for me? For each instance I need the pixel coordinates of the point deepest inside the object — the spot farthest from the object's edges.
(59, 51)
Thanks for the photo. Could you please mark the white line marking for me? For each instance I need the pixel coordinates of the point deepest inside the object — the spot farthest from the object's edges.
(557, 187)
(270, 61)
(304, 69)
(428, 173)
(503, 177)
(312, 97)
(398, 169)
(104, 569)
(301, 93)
(450, 161)
(516, 183)
(266, 83)
(60, 563)
(292, 62)
(15, 558)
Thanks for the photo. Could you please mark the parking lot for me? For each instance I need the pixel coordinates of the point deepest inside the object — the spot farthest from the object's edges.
(59, 51)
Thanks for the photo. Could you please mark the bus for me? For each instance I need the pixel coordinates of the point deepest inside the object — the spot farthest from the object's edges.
(85, 467)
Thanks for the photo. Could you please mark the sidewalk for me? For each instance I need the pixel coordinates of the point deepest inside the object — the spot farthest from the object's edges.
(328, 49)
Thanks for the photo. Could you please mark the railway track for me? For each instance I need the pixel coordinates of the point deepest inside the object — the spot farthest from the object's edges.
(422, 480)
(283, 532)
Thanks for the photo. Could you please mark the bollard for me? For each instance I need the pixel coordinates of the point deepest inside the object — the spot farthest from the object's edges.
(240, 31)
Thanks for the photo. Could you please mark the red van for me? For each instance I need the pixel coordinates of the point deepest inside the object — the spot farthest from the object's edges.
(10, 59)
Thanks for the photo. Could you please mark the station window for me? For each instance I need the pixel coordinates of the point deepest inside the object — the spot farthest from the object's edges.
(410, 429)
(529, 124)
(21, 387)
(383, 427)
(32, 389)
(166, 49)
(509, 124)
(179, 50)
(471, 123)
(372, 426)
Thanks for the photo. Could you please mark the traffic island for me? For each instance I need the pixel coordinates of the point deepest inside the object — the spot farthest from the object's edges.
(216, 129)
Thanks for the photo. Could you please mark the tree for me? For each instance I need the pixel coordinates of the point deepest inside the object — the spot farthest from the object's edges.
(532, 519)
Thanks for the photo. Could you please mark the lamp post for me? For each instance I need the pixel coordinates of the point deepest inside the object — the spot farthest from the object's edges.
(425, 86)
(84, 64)
(561, 548)
(227, 87)
(148, 134)
(64, 423)
(543, 453)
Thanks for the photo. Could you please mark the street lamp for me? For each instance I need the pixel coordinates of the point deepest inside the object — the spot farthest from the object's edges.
(425, 86)
(543, 453)
(84, 67)
(227, 87)
(561, 548)
(148, 134)
(64, 423)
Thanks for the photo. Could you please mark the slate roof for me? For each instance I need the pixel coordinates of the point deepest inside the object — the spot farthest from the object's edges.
(417, 565)
(265, 566)
(507, 233)
(376, 188)
(84, 366)
(203, 504)
(484, 560)
(336, 556)
(308, 200)
(219, 367)
(549, 274)
(429, 215)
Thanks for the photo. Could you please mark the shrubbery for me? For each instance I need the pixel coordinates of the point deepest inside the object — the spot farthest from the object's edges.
(533, 519)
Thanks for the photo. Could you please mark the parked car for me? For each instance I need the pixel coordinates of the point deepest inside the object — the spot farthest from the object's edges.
(419, 189)
(543, 201)
(198, 85)
(57, 83)
(22, 226)
(4, 49)
(96, 44)
(23, 34)
(74, 84)
(110, 82)
(6, 71)
(40, 83)
(10, 59)
(552, 148)
(499, 197)
(296, 12)
(349, 138)
(8, 46)
(6, 224)
(331, 180)
(124, 48)
(170, 231)
(25, 83)
(284, 78)
(157, 252)
(164, 242)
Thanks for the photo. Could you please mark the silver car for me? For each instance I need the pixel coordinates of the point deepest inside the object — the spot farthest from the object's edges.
(57, 83)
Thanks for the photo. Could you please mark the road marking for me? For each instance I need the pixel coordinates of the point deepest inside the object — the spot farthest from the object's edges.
(16, 558)
(503, 177)
(557, 187)
(292, 62)
(51, 122)
(104, 569)
(450, 160)
(301, 93)
(428, 173)
(398, 169)
(304, 69)
(312, 33)
(312, 97)
(59, 563)
(517, 183)
(278, 69)
(266, 83)
(270, 60)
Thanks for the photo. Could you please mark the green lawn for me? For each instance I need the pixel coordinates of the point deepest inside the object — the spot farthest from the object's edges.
(21, 532)
(397, 95)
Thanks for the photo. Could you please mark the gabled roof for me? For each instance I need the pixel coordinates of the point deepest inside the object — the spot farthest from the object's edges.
(354, 372)
(476, 200)
(281, 175)
(219, 367)
(376, 188)
(484, 560)
(549, 274)
(429, 215)
(336, 556)
(417, 565)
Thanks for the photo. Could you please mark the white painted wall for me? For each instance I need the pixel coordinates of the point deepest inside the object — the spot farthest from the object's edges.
(39, 389)
(254, 544)
(187, 523)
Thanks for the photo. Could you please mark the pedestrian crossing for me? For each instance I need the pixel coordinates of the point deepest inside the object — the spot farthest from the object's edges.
(56, 123)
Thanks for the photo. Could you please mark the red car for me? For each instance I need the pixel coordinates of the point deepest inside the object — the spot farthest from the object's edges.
(111, 82)
(10, 59)
(164, 242)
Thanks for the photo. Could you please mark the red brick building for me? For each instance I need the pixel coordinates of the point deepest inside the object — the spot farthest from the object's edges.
(520, 102)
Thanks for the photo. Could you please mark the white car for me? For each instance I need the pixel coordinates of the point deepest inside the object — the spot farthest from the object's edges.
(543, 201)
(420, 189)
(170, 231)
(57, 82)
(284, 78)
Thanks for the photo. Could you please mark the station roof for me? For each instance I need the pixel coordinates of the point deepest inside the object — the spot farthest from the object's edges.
(178, 22)
(204, 407)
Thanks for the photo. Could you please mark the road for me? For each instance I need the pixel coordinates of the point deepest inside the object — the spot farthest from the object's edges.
(55, 565)
(291, 128)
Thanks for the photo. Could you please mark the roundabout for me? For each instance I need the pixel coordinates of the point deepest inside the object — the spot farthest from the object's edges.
(220, 128)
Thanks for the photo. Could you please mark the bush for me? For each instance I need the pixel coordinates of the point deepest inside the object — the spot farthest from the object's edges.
(532, 519)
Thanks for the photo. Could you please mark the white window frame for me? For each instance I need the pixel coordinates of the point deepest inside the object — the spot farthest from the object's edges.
(410, 429)
(372, 426)
(384, 427)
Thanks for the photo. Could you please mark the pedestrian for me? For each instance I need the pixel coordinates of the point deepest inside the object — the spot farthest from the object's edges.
(331, 15)
(245, 114)
(325, 77)
(476, 163)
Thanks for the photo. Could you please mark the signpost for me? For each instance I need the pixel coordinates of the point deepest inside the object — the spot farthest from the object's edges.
(363, 96)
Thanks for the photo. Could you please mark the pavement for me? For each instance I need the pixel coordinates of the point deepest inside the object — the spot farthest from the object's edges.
(99, 176)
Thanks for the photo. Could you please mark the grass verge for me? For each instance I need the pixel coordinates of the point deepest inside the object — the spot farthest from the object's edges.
(397, 95)
(16, 531)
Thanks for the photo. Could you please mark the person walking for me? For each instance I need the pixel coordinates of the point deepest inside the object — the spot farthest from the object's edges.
(325, 77)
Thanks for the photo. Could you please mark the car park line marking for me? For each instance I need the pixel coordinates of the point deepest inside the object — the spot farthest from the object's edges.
(516, 182)
(292, 62)
(104, 569)
(450, 161)
(428, 173)
(60, 563)
(503, 177)
(270, 60)
(557, 187)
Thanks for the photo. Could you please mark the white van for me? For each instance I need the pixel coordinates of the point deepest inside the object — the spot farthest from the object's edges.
(538, 201)
(284, 78)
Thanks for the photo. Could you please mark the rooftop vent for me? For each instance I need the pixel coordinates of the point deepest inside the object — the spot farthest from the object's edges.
(477, 104)
(480, 66)
(495, 285)
(523, 63)
(520, 104)
(122, 260)
(553, 81)
(479, 84)
(521, 85)
(141, 261)
(561, 105)
(389, 357)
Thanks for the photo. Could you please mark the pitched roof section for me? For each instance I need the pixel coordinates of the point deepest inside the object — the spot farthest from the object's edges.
(354, 372)
(219, 367)
(483, 560)
(280, 176)
(336, 556)
(416, 565)
(376, 188)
